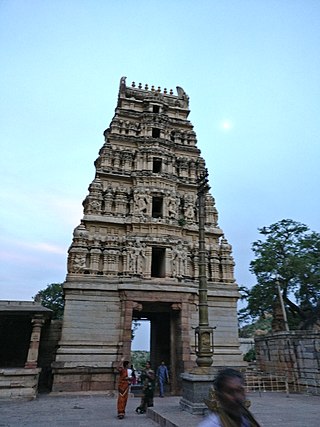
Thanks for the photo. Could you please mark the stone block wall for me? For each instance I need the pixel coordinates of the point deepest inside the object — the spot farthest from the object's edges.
(294, 355)
(50, 337)
(18, 383)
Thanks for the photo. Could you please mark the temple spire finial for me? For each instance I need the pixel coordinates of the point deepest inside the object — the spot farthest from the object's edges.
(123, 84)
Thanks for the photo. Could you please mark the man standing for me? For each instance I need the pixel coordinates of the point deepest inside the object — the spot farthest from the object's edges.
(163, 377)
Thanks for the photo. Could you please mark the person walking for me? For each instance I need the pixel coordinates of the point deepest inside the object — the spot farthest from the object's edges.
(228, 402)
(148, 381)
(162, 377)
(123, 388)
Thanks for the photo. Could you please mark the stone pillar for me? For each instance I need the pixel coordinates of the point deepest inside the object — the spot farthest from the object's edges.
(196, 384)
(108, 198)
(148, 253)
(168, 262)
(32, 358)
(95, 258)
(127, 328)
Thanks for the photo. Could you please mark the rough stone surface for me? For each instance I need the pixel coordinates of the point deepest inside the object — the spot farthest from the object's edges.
(293, 355)
(19, 383)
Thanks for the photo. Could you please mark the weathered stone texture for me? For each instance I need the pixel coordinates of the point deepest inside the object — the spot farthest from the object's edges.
(294, 355)
(19, 383)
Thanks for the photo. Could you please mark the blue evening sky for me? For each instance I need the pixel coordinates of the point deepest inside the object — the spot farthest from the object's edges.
(251, 69)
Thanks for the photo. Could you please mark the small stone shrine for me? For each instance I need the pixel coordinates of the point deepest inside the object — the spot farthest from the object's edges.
(135, 254)
(21, 327)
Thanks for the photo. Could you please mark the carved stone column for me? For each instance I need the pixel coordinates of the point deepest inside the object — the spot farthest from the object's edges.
(148, 253)
(32, 359)
(168, 262)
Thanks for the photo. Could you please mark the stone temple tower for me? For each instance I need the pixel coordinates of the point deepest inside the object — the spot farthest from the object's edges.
(135, 254)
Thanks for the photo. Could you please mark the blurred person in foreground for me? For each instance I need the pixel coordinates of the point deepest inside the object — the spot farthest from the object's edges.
(228, 402)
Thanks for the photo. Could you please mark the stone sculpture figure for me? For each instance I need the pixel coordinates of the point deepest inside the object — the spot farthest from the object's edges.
(79, 263)
(178, 261)
(172, 208)
(141, 205)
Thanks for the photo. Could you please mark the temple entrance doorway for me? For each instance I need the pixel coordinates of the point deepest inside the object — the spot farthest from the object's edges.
(165, 340)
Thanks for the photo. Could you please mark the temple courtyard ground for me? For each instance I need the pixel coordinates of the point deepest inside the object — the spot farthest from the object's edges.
(52, 410)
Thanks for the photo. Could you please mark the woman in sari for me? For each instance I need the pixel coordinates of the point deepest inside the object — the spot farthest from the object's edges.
(123, 388)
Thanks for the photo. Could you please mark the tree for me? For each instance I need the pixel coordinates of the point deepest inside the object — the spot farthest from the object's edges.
(289, 259)
(52, 297)
(261, 326)
(135, 327)
(139, 359)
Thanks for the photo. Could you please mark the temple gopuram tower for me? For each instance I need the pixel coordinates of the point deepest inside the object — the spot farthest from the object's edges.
(135, 254)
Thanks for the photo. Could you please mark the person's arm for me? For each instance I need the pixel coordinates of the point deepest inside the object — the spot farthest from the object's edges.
(167, 375)
(151, 374)
(120, 366)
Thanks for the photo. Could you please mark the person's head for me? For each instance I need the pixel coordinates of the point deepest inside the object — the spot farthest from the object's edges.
(125, 363)
(229, 387)
(148, 364)
(162, 363)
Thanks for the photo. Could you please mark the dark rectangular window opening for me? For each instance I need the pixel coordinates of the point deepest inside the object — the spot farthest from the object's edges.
(155, 133)
(15, 340)
(157, 207)
(156, 109)
(158, 262)
(157, 165)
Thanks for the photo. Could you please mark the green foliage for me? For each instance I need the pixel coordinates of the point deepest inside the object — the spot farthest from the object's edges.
(52, 297)
(289, 256)
(139, 359)
(262, 325)
(135, 326)
(250, 356)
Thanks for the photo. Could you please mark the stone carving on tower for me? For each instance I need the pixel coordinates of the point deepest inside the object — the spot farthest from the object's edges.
(139, 238)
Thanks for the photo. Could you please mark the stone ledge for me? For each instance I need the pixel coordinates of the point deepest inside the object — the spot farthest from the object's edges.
(17, 383)
(19, 371)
